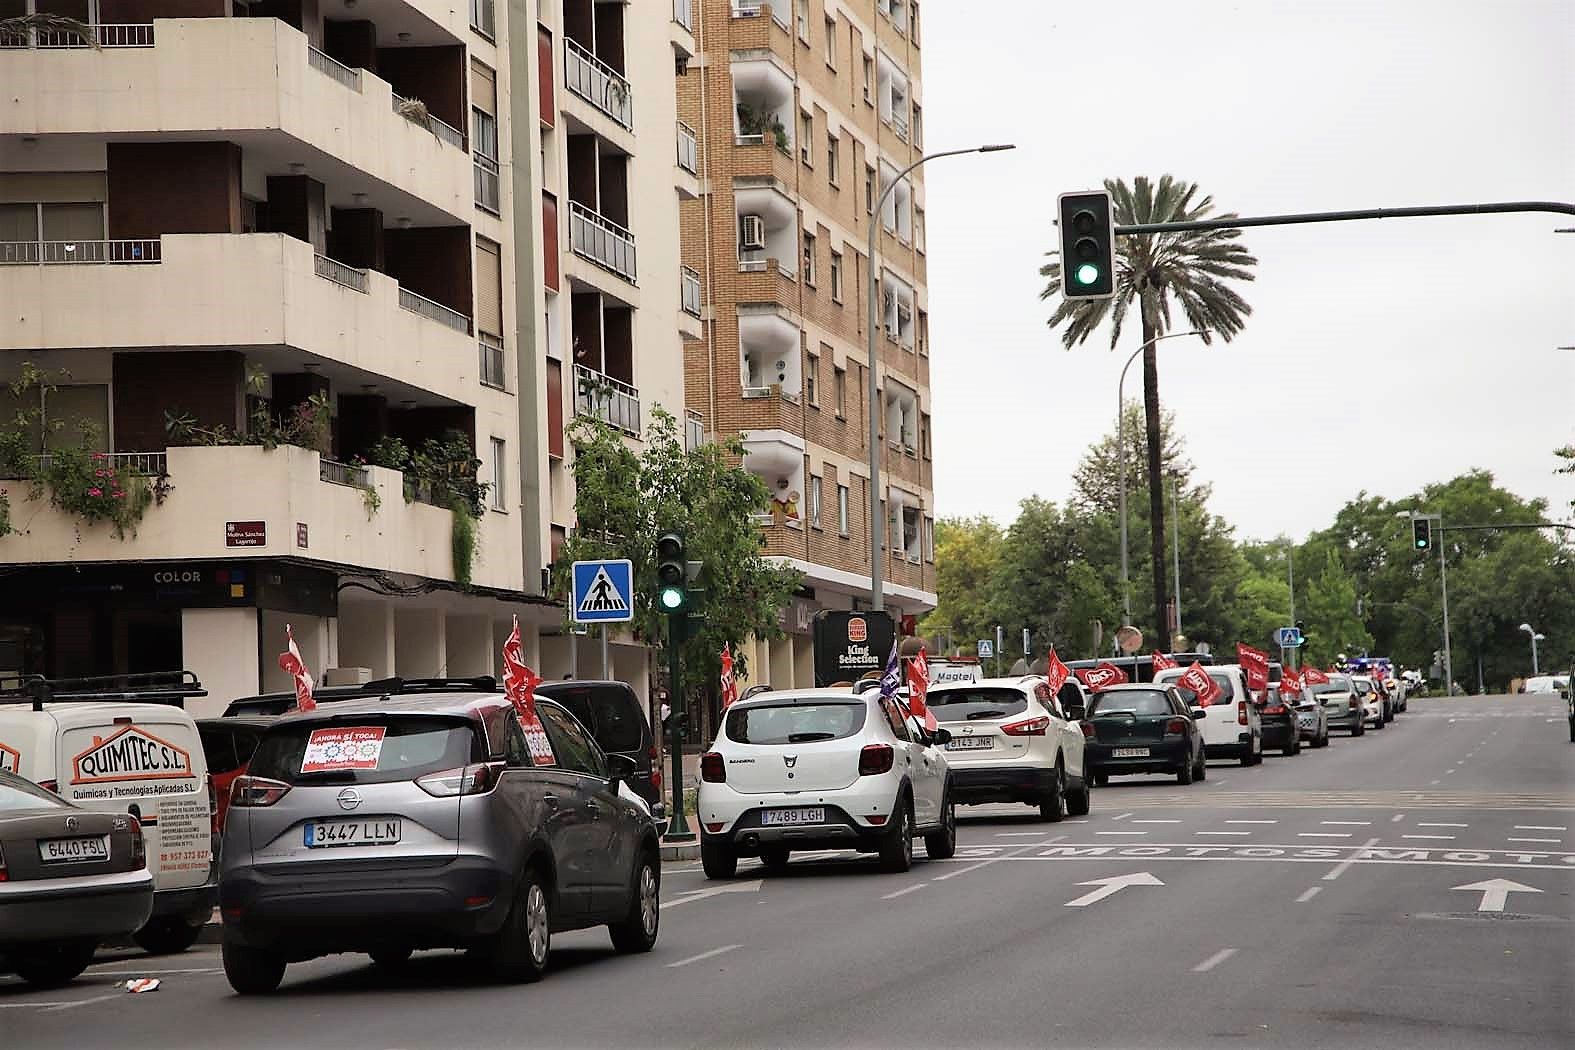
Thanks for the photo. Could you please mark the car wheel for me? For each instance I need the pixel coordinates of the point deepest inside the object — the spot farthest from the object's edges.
(1079, 801)
(942, 844)
(52, 965)
(1201, 771)
(166, 936)
(391, 958)
(1359, 728)
(774, 857)
(1294, 747)
(1378, 723)
(1572, 729)
(1246, 754)
(1052, 804)
(719, 860)
(636, 931)
(252, 971)
(1186, 773)
(896, 853)
(518, 953)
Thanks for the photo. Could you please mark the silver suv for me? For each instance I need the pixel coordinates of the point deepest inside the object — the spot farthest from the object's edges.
(393, 824)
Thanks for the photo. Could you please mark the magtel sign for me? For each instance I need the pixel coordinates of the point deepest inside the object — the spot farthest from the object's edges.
(849, 645)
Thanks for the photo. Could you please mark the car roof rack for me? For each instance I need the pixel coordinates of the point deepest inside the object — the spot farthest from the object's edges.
(279, 703)
(171, 688)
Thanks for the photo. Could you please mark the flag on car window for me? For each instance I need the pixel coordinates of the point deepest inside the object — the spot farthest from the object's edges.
(1056, 673)
(290, 663)
(918, 686)
(1290, 683)
(1314, 676)
(1163, 662)
(1201, 683)
(1256, 663)
(519, 685)
(1102, 677)
(729, 683)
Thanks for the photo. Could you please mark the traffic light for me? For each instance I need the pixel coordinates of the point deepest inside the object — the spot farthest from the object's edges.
(671, 572)
(1421, 533)
(1088, 240)
(1301, 629)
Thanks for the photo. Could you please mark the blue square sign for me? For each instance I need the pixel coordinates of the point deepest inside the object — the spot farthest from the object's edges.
(603, 592)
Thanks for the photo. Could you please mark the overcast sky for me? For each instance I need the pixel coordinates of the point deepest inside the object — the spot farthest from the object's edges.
(1379, 355)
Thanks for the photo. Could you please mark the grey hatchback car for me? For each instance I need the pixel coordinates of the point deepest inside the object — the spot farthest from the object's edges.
(393, 824)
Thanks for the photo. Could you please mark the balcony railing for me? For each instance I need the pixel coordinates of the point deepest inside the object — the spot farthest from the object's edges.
(690, 297)
(52, 253)
(411, 110)
(126, 35)
(127, 464)
(337, 272)
(335, 473)
(684, 13)
(899, 124)
(597, 83)
(755, 8)
(757, 139)
(487, 183)
(436, 311)
(688, 150)
(602, 397)
(333, 68)
(491, 349)
(602, 241)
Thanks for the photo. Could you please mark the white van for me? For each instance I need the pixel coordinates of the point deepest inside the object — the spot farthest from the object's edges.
(1231, 725)
(121, 745)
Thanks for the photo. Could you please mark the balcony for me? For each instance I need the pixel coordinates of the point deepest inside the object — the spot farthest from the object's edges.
(285, 488)
(126, 464)
(251, 290)
(597, 238)
(683, 30)
(67, 253)
(415, 111)
(758, 8)
(98, 37)
(258, 80)
(602, 397)
(598, 83)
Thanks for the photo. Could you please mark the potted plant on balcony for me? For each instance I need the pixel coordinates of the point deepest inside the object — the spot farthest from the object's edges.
(18, 31)
(762, 122)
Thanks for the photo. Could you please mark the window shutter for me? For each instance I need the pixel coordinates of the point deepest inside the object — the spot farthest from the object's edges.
(489, 288)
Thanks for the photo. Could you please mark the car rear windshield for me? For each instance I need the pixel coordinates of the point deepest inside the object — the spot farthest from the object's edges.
(19, 794)
(1139, 703)
(1191, 698)
(965, 705)
(611, 714)
(1335, 684)
(794, 723)
(371, 750)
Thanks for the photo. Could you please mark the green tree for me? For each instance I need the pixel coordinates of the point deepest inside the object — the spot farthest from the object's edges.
(1044, 583)
(967, 552)
(1328, 606)
(624, 501)
(1191, 269)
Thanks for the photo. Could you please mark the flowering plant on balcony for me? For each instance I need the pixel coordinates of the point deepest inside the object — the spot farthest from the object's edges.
(88, 485)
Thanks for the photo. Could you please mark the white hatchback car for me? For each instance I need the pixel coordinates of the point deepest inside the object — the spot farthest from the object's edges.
(1372, 696)
(823, 769)
(1232, 726)
(1011, 741)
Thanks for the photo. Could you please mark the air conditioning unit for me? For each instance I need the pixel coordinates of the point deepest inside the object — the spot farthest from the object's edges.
(752, 233)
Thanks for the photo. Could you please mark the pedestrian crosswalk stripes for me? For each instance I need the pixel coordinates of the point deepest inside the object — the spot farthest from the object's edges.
(1374, 799)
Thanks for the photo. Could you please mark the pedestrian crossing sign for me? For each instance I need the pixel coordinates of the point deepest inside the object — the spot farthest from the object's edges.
(603, 591)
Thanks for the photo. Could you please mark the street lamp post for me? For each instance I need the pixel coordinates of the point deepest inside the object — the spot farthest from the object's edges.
(877, 526)
(1121, 469)
(1535, 638)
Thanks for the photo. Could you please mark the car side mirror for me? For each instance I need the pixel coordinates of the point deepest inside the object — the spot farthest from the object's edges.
(1199, 714)
(621, 768)
(941, 737)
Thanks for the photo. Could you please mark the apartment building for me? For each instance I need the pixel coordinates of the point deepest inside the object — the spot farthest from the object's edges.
(805, 111)
(221, 220)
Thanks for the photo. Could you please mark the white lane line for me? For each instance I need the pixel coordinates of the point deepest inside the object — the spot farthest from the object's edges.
(1344, 866)
(986, 863)
(1121, 833)
(1252, 822)
(1398, 817)
(1323, 834)
(83, 1002)
(1540, 827)
(1222, 833)
(1448, 771)
(1441, 838)
(1345, 823)
(1308, 895)
(1425, 824)
(1554, 841)
(905, 891)
(1214, 960)
(1433, 783)
(1156, 822)
(713, 953)
(1122, 816)
(1020, 834)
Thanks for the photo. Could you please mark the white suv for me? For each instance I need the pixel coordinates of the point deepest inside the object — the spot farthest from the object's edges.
(1012, 742)
(823, 769)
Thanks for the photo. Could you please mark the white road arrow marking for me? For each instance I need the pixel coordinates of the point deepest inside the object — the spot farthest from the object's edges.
(699, 895)
(1496, 891)
(1112, 885)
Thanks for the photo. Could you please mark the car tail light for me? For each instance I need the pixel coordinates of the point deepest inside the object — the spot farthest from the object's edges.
(256, 792)
(1241, 712)
(877, 819)
(713, 770)
(716, 828)
(139, 845)
(1037, 726)
(876, 759)
(656, 768)
(475, 779)
(1087, 728)
(1176, 725)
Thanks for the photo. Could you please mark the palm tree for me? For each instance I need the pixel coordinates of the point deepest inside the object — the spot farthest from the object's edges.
(1191, 267)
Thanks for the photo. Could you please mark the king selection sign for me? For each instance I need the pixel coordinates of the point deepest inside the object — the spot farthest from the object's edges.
(849, 645)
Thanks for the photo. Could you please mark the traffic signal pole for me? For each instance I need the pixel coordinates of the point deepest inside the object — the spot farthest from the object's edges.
(677, 826)
(1424, 211)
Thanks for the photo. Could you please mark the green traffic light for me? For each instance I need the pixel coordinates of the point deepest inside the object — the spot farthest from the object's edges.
(671, 598)
(1087, 273)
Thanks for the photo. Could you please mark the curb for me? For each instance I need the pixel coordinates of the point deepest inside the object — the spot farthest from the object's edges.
(683, 851)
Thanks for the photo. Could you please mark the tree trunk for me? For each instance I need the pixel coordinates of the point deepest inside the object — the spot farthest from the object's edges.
(1156, 485)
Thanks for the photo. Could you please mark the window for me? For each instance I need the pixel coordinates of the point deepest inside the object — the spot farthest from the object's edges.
(842, 509)
(924, 333)
(918, 228)
(484, 135)
(924, 434)
(836, 277)
(803, 19)
(869, 190)
(869, 80)
(481, 17)
(570, 746)
(806, 138)
(831, 41)
(814, 502)
(929, 540)
(812, 379)
(918, 126)
(500, 491)
(833, 147)
(809, 258)
(894, 719)
(839, 383)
